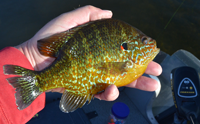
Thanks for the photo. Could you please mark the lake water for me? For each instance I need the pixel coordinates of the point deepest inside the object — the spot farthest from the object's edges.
(174, 24)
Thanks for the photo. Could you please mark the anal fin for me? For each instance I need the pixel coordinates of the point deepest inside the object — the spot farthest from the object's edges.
(71, 101)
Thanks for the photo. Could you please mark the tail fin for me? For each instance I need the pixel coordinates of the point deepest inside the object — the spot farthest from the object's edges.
(27, 86)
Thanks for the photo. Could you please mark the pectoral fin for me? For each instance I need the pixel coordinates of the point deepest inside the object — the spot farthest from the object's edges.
(111, 67)
(114, 68)
(71, 101)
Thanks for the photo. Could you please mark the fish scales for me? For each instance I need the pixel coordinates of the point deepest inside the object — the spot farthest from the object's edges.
(89, 58)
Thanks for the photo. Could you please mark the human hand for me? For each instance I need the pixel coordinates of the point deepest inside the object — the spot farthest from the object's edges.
(72, 19)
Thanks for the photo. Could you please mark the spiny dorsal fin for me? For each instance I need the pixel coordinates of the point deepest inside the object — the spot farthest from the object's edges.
(49, 46)
(70, 101)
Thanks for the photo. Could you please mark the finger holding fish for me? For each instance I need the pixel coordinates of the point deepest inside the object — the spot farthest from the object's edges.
(154, 69)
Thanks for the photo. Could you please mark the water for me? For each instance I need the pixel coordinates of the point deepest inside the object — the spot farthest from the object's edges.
(19, 21)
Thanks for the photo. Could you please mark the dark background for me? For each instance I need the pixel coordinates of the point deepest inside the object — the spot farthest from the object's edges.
(20, 20)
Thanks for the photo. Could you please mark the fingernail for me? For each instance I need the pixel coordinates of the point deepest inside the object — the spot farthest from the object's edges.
(108, 11)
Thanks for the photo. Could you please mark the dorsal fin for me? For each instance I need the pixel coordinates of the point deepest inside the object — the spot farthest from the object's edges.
(49, 46)
(71, 101)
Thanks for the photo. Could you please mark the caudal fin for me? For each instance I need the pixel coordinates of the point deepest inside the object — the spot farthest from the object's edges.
(27, 88)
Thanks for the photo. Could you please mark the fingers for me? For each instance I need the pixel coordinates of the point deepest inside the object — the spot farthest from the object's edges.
(89, 13)
(82, 15)
(111, 93)
(153, 69)
(96, 13)
(144, 83)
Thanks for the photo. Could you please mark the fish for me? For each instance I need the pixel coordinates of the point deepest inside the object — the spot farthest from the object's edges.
(88, 58)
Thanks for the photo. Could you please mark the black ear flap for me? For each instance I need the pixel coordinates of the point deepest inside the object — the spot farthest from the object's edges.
(124, 46)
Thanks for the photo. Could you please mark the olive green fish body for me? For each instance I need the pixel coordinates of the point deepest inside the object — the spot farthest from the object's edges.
(89, 58)
(82, 55)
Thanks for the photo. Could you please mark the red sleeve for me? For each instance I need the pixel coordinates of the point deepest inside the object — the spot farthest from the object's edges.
(9, 114)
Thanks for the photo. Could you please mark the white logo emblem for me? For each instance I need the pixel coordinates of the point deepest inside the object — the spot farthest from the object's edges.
(186, 81)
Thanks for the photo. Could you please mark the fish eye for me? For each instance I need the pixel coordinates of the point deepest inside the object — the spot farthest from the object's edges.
(124, 46)
(144, 40)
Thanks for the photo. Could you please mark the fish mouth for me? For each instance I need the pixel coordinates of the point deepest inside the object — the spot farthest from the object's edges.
(154, 53)
(148, 58)
(155, 50)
